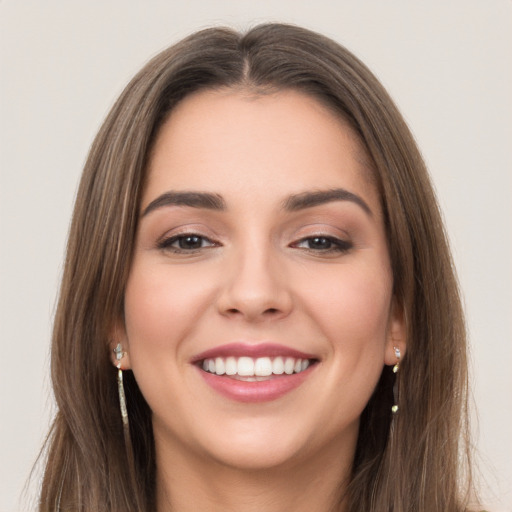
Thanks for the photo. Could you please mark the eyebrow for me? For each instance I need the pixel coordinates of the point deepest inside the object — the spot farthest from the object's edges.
(293, 203)
(191, 199)
(310, 199)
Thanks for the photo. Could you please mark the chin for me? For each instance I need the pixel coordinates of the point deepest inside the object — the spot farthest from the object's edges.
(258, 443)
(259, 456)
(250, 443)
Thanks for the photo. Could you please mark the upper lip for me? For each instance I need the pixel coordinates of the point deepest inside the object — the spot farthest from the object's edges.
(251, 350)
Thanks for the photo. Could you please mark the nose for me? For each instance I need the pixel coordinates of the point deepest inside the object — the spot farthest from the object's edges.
(255, 288)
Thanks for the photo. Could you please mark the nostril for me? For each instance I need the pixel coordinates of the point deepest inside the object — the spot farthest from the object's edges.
(267, 312)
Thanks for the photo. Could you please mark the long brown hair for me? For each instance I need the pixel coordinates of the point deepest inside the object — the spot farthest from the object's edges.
(411, 462)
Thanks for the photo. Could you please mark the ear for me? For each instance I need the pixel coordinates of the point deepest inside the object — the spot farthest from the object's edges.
(119, 346)
(396, 335)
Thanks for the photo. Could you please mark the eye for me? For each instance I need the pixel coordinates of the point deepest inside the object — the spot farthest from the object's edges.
(323, 244)
(187, 242)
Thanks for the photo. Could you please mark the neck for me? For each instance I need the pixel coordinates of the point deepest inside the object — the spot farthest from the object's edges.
(187, 482)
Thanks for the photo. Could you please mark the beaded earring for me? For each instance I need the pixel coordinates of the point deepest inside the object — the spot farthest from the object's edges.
(394, 408)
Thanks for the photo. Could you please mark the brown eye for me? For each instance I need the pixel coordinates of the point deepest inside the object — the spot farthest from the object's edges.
(186, 243)
(319, 243)
(323, 244)
(189, 242)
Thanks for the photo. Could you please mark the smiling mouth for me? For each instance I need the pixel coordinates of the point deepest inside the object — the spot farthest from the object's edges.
(249, 369)
(252, 373)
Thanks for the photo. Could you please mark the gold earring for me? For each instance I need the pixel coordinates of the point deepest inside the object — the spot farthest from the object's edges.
(394, 408)
(118, 351)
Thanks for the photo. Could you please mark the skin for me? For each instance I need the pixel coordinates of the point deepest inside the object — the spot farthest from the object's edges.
(258, 277)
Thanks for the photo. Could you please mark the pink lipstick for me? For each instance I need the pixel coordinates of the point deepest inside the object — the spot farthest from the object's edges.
(254, 373)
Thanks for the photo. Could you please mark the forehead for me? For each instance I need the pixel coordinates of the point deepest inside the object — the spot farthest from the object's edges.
(217, 138)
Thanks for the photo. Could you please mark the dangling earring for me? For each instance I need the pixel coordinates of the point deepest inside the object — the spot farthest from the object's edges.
(118, 351)
(394, 409)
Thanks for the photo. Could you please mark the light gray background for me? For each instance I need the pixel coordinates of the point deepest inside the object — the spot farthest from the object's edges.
(446, 63)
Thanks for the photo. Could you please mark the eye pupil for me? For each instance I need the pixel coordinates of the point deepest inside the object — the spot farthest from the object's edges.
(318, 242)
(190, 242)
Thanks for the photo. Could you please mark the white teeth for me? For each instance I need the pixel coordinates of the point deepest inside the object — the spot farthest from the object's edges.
(245, 367)
(278, 366)
(259, 367)
(231, 366)
(220, 367)
(263, 367)
(288, 365)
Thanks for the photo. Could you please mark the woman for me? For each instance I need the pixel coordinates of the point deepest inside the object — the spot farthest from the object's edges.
(258, 309)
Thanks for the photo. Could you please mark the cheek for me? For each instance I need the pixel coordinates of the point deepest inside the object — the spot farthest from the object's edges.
(351, 307)
(161, 306)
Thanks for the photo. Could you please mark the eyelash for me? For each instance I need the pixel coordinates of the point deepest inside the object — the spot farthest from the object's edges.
(335, 245)
(167, 243)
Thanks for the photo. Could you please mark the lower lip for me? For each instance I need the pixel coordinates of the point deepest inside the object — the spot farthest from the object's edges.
(259, 391)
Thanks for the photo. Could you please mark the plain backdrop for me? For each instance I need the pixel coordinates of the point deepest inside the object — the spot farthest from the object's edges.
(448, 65)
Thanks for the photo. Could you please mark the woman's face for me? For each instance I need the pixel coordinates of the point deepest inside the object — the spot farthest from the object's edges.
(258, 310)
